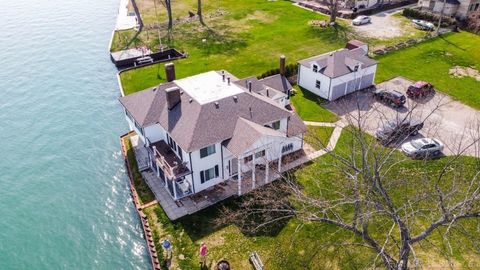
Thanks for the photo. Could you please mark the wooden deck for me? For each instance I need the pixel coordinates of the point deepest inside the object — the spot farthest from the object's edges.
(196, 202)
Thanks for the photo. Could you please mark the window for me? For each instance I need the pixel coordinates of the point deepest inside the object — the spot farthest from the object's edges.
(476, 6)
(315, 68)
(172, 143)
(276, 125)
(248, 159)
(207, 151)
(287, 148)
(317, 84)
(260, 154)
(179, 151)
(209, 174)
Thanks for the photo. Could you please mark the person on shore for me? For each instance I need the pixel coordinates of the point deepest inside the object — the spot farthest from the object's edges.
(203, 255)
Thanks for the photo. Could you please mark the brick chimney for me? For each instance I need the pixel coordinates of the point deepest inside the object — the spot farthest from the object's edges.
(282, 65)
(173, 96)
(170, 72)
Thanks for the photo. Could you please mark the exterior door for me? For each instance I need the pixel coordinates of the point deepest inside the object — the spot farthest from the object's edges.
(233, 167)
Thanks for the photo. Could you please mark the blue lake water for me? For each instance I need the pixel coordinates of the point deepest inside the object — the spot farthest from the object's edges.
(64, 200)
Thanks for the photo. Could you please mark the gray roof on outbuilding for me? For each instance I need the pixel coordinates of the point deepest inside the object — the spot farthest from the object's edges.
(340, 62)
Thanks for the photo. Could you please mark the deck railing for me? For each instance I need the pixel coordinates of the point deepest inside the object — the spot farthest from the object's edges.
(171, 172)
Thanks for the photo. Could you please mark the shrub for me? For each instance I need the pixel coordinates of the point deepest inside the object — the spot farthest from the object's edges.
(290, 70)
(422, 15)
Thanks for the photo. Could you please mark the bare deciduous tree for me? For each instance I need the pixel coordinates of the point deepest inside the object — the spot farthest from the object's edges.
(199, 12)
(372, 189)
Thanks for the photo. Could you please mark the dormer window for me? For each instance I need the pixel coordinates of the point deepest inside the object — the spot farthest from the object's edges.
(315, 68)
(276, 125)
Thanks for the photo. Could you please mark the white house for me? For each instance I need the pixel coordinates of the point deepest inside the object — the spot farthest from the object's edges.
(202, 130)
(460, 9)
(338, 73)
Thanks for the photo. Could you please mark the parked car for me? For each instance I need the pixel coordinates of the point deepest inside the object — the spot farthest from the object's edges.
(397, 130)
(391, 97)
(420, 89)
(424, 147)
(423, 25)
(361, 20)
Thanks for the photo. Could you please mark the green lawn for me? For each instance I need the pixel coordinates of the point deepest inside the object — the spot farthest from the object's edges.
(431, 61)
(308, 106)
(318, 137)
(145, 195)
(293, 244)
(246, 41)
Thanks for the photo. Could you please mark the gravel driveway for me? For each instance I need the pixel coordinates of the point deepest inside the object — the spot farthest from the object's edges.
(455, 124)
(384, 26)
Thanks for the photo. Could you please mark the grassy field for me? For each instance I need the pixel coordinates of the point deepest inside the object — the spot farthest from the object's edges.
(318, 137)
(246, 40)
(432, 60)
(308, 106)
(293, 244)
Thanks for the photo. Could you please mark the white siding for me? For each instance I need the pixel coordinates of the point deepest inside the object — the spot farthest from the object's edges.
(273, 150)
(201, 164)
(354, 77)
(155, 133)
(307, 79)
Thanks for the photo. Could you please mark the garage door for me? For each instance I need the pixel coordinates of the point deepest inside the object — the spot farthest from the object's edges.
(351, 86)
(338, 91)
(367, 81)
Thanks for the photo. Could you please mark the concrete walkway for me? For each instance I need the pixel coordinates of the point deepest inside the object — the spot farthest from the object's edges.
(339, 125)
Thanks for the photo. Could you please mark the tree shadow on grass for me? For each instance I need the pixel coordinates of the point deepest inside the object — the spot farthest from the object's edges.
(231, 212)
(332, 34)
(451, 43)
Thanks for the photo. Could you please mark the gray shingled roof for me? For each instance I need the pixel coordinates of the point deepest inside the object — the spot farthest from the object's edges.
(277, 82)
(277, 85)
(295, 126)
(247, 133)
(194, 126)
(340, 62)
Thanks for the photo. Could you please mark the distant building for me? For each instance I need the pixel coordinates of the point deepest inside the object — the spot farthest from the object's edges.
(474, 21)
(338, 73)
(459, 9)
(203, 130)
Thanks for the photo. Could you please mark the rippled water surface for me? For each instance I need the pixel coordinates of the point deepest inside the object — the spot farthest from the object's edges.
(64, 201)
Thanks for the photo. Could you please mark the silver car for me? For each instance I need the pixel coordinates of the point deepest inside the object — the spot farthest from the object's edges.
(361, 20)
(424, 147)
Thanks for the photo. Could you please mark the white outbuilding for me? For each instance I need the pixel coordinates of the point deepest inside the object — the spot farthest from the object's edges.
(338, 73)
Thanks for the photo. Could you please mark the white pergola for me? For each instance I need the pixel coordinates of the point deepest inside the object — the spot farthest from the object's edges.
(253, 168)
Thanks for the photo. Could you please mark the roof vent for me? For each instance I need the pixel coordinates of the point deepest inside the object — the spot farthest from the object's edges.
(154, 89)
(268, 93)
(190, 100)
(249, 86)
(217, 105)
(235, 98)
(228, 80)
(223, 75)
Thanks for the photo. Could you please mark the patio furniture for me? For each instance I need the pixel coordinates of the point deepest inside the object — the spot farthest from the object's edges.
(256, 261)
